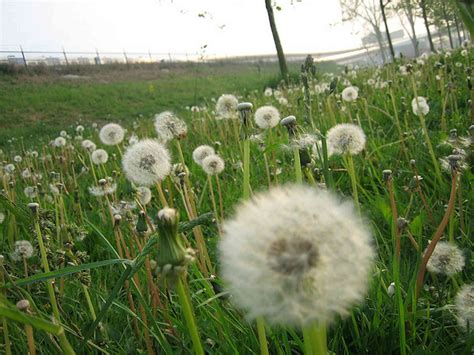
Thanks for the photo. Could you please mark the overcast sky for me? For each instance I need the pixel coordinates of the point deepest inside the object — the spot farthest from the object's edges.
(228, 27)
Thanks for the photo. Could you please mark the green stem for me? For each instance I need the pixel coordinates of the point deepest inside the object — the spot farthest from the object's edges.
(189, 317)
(319, 339)
(298, 172)
(262, 339)
(401, 307)
(351, 171)
(308, 346)
(246, 167)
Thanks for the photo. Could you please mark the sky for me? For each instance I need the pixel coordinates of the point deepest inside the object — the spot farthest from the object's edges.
(227, 27)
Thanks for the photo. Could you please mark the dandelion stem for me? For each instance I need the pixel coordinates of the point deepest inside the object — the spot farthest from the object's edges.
(246, 167)
(297, 162)
(319, 337)
(189, 317)
(351, 171)
(262, 339)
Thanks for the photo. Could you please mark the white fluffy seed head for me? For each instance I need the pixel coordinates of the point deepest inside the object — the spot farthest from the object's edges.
(350, 93)
(31, 191)
(146, 162)
(88, 144)
(296, 255)
(420, 106)
(226, 106)
(345, 138)
(202, 152)
(446, 259)
(99, 156)
(267, 117)
(59, 142)
(144, 195)
(168, 126)
(464, 303)
(22, 250)
(111, 134)
(213, 164)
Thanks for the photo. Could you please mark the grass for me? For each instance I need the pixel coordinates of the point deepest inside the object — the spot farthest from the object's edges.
(109, 299)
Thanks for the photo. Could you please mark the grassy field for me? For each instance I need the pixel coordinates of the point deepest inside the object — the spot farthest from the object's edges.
(101, 263)
(37, 105)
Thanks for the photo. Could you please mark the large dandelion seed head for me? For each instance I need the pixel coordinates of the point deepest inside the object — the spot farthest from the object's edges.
(168, 126)
(446, 259)
(99, 156)
(59, 142)
(419, 106)
(464, 303)
(350, 93)
(202, 152)
(146, 162)
(111, 134)
(213, 164)
(22, 250)
(345, 138)
(267, 117)
(226, 106)
(295, 255)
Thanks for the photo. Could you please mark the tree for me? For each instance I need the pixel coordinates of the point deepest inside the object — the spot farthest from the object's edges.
(276, 39)
(387, 31)
(424, 14)
(409, 9)
(369, 12)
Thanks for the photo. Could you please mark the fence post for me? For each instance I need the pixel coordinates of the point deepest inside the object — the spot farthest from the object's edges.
(24, 58)
(149, 56)
(65, 56)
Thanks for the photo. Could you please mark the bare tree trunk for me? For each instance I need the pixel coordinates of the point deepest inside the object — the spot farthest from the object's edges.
(414, 39)
(448, 26)
(389, 39)
(458, 31)
(276, 39)
(379, 37)
(427, 25)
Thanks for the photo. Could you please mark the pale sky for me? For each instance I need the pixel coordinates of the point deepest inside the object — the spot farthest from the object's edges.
(230, 27)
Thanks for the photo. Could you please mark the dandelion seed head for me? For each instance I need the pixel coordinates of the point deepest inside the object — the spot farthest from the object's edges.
(267, 117)
(350, 93)
(88, 145)
(420, 106)
(345, 138)
(464, 304)
(146, 162)
(144, 195)
(99, 156)
(446, 259)
(202, 152)
(111, 134)
(292, 262)
(213, 164)
(30, 191)
(226, 106)
(22, 250)
(59, 142)
(168, 126)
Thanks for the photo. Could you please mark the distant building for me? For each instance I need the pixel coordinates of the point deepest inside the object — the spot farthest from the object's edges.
(53, 61)
(83, 60)
(15, 60)
(372, 39)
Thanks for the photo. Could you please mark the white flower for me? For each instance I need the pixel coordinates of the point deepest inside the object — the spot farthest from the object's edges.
(26, 174)
(88, 144)
(2, 217)
(350, 93)
(420, 106)
(391, 289)
(17, 159)
(464, 303)
(446, 259)
(30, 191)
(202, 152)
(9, 168)
(111, 134)
(296, 255)
(59, 142)
(213, 164)
(267, 117)
(99, 191)
(23, 250)
(226, 106)
(54, 189)
(464, 52)
(403, 70)
(345, 138)
(63, 134)
(168, 126)
(99, 157)
(146, 162)
(79, 129)
(143, 195)
(268, 92)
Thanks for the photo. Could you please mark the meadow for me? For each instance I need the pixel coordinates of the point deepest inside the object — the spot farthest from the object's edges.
(124, 229)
